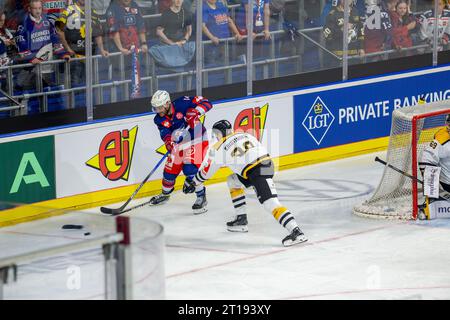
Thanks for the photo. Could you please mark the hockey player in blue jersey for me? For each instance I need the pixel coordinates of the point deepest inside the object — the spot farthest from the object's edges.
(186, 138)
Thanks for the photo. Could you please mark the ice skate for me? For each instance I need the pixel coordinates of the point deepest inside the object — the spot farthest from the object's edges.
(295, 237)
(159, 199)
(239, 224)
(200, 204)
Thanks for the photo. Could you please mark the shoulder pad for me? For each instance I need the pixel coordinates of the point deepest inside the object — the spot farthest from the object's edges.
(442, 136)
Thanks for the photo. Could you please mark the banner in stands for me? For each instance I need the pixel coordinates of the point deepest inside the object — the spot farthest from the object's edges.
(27, 173)
(361, 112)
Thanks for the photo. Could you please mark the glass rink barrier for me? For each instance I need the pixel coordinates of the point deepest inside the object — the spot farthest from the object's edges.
(80, 256)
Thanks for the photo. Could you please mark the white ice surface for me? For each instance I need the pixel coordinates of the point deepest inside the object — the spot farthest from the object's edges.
(346, 257)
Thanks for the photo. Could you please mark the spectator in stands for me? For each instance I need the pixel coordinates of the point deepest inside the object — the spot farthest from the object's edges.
(37, 42)
(100, 6)
(174, 31)
(377, 29)
(126, 31)
(261, 17)
(217, 24)
(427, 23)
(390, 5)
(7, 43)
(403, 25)
(7, 48)
(70, 27)
(330, 4)
(175, 26)
(15, 11)
(126, 26)
(333, 33)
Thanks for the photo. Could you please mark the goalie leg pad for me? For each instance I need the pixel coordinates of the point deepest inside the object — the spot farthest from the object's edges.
(436, 209)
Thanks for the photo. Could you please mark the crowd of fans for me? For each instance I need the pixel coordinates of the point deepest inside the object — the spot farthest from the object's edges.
(386, 25)
(34, 31)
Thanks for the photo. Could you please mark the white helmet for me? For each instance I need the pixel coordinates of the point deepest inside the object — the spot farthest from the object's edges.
(159, 99)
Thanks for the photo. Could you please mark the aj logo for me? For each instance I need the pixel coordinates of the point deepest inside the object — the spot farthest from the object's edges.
(252, 120)
(115, 154)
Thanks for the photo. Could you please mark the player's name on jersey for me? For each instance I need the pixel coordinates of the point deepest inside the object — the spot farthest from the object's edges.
(232, 142)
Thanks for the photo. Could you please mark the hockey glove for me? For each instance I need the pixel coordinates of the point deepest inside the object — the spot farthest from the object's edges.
(169, 143)
(188, 186)
(192, 117)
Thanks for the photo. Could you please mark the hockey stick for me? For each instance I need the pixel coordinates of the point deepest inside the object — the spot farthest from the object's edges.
(120, 210)
(445, 195)
(398, 170)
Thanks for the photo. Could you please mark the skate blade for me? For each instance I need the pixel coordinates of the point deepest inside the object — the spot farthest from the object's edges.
(300, 239)
(200, 211)
(237, 228)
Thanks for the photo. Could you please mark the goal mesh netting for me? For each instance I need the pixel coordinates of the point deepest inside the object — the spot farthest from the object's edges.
(412, 128)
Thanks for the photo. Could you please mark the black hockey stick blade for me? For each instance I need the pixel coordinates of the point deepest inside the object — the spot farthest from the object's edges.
(116, 212)
(111, 210)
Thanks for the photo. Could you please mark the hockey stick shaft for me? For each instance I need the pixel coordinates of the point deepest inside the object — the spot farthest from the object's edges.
(443, 193)
(120, 210)
(398, 170)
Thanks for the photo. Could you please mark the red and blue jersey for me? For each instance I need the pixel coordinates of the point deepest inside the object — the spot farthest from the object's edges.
(168, 125)
(216, 20)
(128, 21)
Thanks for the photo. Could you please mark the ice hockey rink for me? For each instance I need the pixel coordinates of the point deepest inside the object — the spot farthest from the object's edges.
(346, 257)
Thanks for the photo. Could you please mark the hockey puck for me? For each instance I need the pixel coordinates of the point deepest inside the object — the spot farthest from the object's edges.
(87, 233)
(72, 226)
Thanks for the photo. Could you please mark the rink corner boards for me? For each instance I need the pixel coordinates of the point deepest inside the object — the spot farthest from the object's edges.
(49, 208)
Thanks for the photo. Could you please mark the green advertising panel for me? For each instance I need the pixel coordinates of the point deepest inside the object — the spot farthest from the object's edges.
(27, 173)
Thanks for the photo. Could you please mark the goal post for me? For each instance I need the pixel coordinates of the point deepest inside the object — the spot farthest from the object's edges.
(412, 128)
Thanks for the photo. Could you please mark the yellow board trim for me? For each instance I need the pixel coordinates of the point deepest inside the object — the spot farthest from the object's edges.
(277, 212)
(60, 206)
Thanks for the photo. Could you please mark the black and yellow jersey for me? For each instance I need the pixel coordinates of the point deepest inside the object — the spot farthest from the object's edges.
(239, 151)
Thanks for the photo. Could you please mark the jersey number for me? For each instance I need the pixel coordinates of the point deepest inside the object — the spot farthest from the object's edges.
(238, 152)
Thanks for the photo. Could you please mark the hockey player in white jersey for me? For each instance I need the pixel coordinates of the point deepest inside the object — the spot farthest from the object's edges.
(436, 158)
(252, 167)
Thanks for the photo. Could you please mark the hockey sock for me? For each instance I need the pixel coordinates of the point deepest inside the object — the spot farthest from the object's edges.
(238, 199)
(167, 186)
(285, 218)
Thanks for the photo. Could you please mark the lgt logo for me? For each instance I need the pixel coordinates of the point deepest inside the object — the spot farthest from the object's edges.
(318, 120)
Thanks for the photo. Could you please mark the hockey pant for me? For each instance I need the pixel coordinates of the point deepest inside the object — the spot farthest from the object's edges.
(260, 178)
(188, 160)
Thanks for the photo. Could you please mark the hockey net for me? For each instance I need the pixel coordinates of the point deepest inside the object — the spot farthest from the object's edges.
(412, 128)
